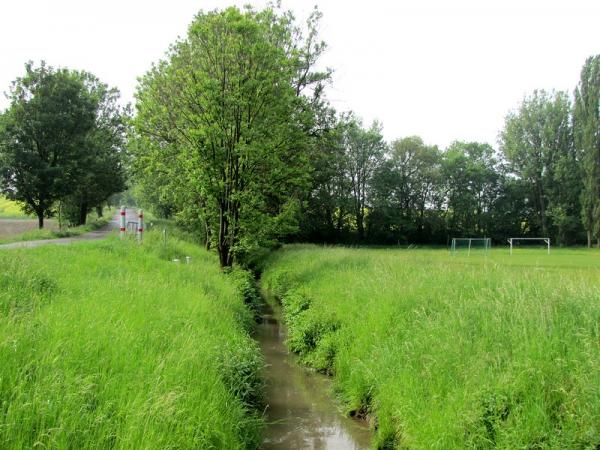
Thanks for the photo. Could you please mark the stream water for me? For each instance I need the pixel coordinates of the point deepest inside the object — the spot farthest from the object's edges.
(302, 412)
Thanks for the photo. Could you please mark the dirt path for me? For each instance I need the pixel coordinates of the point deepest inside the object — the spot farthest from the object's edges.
(90, 236)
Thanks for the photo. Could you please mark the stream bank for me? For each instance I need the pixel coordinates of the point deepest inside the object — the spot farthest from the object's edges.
(301, 411)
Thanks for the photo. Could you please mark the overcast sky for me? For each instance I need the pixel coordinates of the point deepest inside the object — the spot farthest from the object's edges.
(440, 69)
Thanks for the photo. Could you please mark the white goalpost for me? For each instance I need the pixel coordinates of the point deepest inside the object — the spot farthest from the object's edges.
(486, 244)
(546, 240)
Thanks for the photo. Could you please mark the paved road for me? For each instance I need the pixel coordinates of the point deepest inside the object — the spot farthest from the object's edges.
(90, 236)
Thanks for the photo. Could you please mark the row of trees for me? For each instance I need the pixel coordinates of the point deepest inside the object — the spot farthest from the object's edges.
(233, 136)
(541, 182)
(61, 143)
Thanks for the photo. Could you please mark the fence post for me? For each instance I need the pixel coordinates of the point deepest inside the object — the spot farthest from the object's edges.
(140, 229)
(122, 225)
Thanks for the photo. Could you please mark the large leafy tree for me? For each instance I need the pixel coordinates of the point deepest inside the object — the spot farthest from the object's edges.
(471, 185)
(364, 151)
(535, 140)
(227, 115)
(101, 171)
(61, 139)
(43, 132)
(586, 118)
(404, 187)
(326, 213)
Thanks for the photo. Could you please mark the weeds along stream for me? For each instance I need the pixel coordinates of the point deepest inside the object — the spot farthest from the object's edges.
(441, 351)
(301, 412)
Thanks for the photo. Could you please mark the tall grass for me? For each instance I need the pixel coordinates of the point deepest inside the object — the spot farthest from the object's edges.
(452, 352)
(112, 345)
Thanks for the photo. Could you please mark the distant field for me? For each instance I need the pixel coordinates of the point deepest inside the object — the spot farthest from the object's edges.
(12, 227)
(10, 209)
(111, 345)
(452, 351)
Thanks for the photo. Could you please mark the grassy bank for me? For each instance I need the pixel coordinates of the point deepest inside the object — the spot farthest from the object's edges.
(111, 345)
(452, 352)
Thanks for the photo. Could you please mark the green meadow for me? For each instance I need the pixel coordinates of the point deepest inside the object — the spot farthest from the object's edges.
(10, 209)
(110, 344)
(442, 351)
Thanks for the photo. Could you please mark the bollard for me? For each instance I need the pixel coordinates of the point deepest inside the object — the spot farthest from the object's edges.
(122, 225)
(165, 236)
(140, 229)
(187, 259)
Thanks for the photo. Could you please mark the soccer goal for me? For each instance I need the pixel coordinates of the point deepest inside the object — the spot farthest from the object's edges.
(515, 241)
(469, 244)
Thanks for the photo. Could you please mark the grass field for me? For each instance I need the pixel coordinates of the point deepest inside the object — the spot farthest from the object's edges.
(449, 351)
(10, 209)
(111, 345)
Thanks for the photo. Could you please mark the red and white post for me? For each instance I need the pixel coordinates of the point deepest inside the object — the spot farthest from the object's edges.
(122, 225)
(140, 229)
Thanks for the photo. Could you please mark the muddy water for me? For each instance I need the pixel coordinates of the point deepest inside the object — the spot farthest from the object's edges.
(302, 412)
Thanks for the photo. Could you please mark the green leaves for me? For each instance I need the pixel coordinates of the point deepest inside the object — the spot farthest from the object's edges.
(61, 135)
(223, 121)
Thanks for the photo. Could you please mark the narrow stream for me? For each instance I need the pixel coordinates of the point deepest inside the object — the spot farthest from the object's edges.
(302, 412)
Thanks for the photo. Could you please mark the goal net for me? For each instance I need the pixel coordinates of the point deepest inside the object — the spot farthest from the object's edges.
(537, 242)
(468, 245)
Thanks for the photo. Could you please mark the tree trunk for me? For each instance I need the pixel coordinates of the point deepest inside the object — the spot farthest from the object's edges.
(99, 211)
(223, 244)
(82, 214)
(360, 225)
(589, 239)
(40, 217)
(542, 209)
(207, 241)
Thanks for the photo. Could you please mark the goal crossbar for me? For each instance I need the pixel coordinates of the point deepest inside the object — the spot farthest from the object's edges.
(546, 240)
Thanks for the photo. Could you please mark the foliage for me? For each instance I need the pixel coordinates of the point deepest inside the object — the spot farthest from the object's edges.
(101, 171)
(538, 142)
(586, 118)
(224, 121)
(59, 139)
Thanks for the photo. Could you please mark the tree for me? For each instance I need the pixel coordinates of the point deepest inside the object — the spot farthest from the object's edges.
(586, 119)
(365, 151)
(44, 130)
(471, 186)
(100, 172)
(230, 111)
(326, 213)
(534, 140)
(403, 187)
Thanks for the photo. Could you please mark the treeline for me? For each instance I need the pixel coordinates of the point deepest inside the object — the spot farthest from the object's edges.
(62, 143)
(235, 138)
(542, 180)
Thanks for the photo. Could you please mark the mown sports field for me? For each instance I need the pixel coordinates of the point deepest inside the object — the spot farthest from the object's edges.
(444, 351)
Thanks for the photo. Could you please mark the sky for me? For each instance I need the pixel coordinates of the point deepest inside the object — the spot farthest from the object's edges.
(444, 70)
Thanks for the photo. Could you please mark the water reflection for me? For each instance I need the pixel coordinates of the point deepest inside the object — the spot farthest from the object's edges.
(302, 414)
